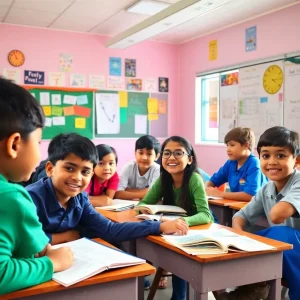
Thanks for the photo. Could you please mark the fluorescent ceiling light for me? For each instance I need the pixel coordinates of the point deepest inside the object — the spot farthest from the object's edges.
(170, 17)
(147, 7)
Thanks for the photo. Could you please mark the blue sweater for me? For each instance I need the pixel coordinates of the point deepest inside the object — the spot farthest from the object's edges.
(81, 214)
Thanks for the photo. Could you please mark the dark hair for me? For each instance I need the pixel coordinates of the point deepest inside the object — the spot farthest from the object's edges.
(104, 149)
(241, 135)
(279, 136)
(167, 181)
(149, 142)
(66, 143)
(19, 111)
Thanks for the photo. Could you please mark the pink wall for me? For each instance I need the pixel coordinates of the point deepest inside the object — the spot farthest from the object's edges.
(277, 33)
(42, 48)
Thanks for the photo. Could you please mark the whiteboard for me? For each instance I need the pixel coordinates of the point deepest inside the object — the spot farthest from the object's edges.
(292, 95)
(258, 109)
(228, 107)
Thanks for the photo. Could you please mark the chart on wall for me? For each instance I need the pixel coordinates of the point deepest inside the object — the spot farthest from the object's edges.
(125, 114)
(229, 95)
(260, 102)
(292, 94)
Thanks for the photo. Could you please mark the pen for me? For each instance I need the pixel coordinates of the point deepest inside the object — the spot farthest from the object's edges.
(160, 218)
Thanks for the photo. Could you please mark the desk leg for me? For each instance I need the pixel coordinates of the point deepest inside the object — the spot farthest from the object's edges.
(275, 289)
(223, 213)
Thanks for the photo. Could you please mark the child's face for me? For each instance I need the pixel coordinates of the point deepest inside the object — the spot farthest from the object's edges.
(145, 158)
(174, 164)
(277, 163)
(25, 155)
(236, 151)
(106, 167)
(70, 176)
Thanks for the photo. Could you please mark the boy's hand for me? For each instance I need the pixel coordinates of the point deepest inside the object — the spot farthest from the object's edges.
(212, 191)
(62, 258)
(178, 226)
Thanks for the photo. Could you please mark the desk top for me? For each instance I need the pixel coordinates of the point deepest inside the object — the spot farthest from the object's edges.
(224, 202)
(128, 215)
(120, 216)
(238, 206)
(111, 275)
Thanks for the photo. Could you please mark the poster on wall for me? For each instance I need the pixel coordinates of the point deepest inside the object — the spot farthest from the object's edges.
(77, 80)
(150, 85)
(57, 79)
(229, 79)
(130, 67)
(11, 74)
(34, 77)
(251, 41)
(97, 82)
(213, 50)
(163, 84)
(65, 62)
(115, 66)
(134, 84)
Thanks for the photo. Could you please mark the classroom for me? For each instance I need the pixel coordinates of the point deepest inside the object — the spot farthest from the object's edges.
(108, 72)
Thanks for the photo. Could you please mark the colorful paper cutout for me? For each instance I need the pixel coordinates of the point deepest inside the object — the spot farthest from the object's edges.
(82, 100)
(162, 107)
(47, 110)
(123, 115)
(152, 106)
(69, 111)
(82, 111)
(80, 123)
(152, 117)
(57, 111)
(123, 96)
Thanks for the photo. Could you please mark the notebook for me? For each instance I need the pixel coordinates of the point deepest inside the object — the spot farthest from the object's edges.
(119, 205)
(157, 209)
(215, 241)
(91, 258)
(158, 217)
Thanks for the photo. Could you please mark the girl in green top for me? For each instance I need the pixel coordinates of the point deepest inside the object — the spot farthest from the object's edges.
(180, 184)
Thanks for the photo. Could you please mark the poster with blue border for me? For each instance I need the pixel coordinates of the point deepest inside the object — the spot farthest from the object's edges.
(251, 39)
(34, 77)
(115, 66)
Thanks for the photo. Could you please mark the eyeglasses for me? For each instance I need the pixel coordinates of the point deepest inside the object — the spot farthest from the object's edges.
(177, 153)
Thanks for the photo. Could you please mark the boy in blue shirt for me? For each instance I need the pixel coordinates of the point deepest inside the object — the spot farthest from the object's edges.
(241, 171)
(26, 258)
(63, 206)
(137, 176)
(279, 201)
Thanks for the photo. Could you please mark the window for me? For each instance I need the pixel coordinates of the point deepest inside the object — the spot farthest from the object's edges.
(207, 108)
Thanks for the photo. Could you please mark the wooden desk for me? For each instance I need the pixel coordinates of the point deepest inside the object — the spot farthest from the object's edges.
(237, 206)
(120, 216)
(221, 208)
(214, 272)
(121, 283)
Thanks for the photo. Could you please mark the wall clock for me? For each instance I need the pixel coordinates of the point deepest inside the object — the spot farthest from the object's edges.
(16, 58)
(273, 79)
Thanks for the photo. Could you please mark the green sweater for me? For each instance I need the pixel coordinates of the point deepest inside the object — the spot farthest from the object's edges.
(197, 196)
(21, 236)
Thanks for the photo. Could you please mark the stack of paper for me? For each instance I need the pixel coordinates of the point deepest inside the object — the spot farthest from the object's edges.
(119, 205)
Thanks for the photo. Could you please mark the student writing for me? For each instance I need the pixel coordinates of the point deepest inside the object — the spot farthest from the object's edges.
(241, 171)
(26, 258)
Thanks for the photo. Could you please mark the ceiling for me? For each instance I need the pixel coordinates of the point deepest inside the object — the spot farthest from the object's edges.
(108, 17)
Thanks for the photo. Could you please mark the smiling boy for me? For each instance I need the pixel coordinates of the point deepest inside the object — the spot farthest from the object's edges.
(279, 201)
(241, 171)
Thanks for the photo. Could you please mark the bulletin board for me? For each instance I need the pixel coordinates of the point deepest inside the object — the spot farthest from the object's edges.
(122, 114)
(66, 110)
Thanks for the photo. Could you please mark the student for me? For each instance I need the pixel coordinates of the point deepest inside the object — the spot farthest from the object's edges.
(138, 176)
(26, 258)
(241, 171)
(180, 184)
(104, 183)
(279, 201)
(63, 206)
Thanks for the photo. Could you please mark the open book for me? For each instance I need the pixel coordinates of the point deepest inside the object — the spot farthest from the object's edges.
(165, 209)
(91, 258)
(119, 205)
(215, 241)
(158, 217)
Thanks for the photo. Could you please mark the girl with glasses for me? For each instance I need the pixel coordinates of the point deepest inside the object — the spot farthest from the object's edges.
(180, 184)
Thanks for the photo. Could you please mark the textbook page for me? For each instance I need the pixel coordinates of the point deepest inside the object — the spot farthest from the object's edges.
(119, 204)
(159, 217)
(155, 209)
(91, 258)
(218, 241)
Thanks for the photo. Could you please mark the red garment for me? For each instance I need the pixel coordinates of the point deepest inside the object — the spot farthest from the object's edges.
(95, 188)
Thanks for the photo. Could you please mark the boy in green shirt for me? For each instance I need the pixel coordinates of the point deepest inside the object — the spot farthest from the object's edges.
(26, 258)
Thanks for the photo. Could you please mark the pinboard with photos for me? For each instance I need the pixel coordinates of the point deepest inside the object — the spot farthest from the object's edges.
(66, 111)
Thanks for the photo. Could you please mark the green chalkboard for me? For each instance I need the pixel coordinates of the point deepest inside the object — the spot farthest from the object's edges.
(51, 131)
(137, 105)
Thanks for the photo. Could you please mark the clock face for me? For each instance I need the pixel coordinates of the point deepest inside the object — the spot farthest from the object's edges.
(16, 58)
(273, 79)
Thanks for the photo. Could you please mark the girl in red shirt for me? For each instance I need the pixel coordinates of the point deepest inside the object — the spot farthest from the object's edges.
(104, 183)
